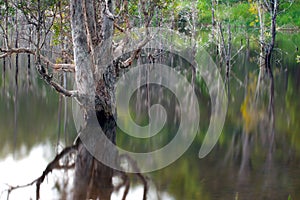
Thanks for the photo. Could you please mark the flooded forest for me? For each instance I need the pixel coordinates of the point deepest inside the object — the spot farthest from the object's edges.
(211, 84)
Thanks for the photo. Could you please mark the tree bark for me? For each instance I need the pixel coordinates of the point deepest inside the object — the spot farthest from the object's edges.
(92, 178)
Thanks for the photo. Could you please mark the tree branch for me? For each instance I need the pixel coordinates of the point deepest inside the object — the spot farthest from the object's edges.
(148, 15)
(56, 67)
(48, 79)
(119, 27)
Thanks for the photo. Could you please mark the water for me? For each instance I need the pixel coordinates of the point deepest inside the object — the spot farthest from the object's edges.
(257, 155)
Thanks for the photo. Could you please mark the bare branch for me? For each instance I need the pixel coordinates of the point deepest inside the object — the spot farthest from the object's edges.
(56, 67)
(107, 11)
(62, 90)
(119, 27)
(48, 79)
(136, 53)
(238, 51)
(47, 30)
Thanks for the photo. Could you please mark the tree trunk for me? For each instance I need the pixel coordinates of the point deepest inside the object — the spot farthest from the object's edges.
(267, 48)
(274, 7)
(92, 178)
(213, 21)
(262, 34)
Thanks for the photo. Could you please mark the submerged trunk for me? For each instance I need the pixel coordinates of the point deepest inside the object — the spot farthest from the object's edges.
(92, 178)
(267, 47)
(274, 7)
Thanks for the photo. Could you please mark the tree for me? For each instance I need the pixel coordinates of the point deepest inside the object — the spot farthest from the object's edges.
(92, 27)
(271, 8)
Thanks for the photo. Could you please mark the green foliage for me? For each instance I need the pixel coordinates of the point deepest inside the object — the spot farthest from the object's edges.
(298, 59)
(204, 12)
(133, 9)
(10, 9)
(291, 16)
(243, 14)
(239, 13)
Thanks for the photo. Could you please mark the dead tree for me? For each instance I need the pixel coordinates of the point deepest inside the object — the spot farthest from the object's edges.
(267, 46)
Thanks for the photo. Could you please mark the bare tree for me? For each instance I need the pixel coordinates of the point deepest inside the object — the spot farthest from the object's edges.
(267, 45)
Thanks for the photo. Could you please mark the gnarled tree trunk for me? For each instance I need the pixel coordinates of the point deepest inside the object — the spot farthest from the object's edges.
(91, 28)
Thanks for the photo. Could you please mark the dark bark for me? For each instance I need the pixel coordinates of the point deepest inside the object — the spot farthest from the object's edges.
(267, 47)
(92, 178)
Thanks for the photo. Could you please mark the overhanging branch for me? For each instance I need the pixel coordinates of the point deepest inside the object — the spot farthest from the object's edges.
(45, 60)
(49, 79)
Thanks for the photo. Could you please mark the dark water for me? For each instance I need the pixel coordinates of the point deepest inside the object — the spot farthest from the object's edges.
(256, 157)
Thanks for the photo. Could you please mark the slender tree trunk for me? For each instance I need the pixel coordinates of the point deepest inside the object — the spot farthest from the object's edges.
(267, 48)
(6, 25)
(262, 34)
(228, 52)
(16, 46)
(3, 72)
(274, 7)
(245, 166)
(28, 66)
(228, 59)
(213, 21)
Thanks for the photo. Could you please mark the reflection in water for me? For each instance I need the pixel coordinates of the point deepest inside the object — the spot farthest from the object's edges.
(23, 171)
(258, 127)
(34, 162)
(257, 155)
(3, 76)
(16, 102)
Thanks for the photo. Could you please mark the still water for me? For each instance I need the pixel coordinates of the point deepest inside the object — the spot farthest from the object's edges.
(256, 157)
